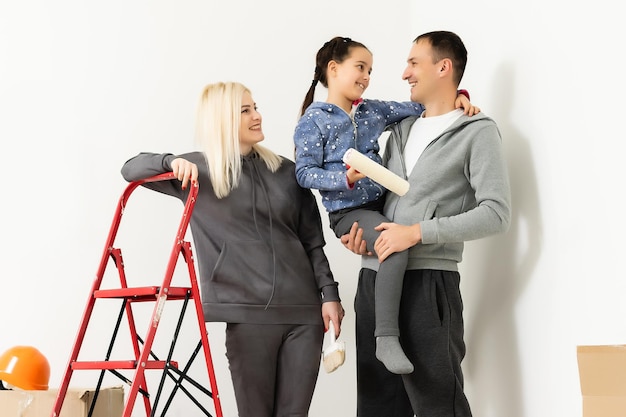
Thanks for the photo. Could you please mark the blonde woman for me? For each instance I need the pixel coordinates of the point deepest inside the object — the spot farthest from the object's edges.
(259, 244)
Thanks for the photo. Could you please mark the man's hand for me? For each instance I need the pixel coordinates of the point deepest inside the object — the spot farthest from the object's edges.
(185, 171)
(396, 238)
(353, 241)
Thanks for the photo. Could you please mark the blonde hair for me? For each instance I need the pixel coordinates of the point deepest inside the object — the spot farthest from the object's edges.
(217, 132)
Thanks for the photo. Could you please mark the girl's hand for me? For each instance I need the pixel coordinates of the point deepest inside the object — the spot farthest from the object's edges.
(464, 103)
(353, 175)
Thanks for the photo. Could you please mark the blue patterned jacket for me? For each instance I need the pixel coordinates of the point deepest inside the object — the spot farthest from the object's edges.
(325, 132)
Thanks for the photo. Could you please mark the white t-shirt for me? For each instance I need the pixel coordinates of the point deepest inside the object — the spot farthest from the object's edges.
(423, 131)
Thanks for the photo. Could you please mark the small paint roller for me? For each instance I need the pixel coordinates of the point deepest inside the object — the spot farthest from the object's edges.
(334, 354)
(375, 171)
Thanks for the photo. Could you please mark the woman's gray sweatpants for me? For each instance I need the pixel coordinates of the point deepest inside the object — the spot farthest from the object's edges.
(274, 367)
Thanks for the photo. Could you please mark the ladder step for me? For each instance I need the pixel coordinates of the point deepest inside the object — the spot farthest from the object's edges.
(127, 364)
(144, 293)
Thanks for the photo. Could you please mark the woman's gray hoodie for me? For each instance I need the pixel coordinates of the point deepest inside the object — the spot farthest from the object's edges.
(260, 249)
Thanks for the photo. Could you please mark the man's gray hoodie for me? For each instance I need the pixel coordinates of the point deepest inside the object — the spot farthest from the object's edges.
(459, 190)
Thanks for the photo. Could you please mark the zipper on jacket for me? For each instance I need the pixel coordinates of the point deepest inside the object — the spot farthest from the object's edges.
(355, 106)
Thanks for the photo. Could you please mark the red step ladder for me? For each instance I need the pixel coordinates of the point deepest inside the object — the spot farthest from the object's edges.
(144, 358)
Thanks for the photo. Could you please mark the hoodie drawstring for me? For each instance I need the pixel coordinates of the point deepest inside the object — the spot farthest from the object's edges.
(271, 239)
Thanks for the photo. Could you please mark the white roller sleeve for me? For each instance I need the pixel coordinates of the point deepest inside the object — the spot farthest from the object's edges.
(375, 171)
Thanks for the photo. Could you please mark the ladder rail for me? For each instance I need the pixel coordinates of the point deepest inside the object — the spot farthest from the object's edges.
(162, 296)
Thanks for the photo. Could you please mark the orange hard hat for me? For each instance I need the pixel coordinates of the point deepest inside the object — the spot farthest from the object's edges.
(25, 367)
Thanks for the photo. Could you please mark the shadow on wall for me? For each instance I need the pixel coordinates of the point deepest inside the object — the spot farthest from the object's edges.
(500, 269)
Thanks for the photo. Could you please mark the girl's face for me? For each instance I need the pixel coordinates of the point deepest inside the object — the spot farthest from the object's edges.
(352, 77)
(250, 131)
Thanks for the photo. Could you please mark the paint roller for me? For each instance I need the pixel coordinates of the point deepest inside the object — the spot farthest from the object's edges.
(376, 172)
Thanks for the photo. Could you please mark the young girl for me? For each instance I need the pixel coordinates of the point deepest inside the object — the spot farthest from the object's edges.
(323, 134)
(259, 243)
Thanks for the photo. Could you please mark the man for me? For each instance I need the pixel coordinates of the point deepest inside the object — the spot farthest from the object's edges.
(459, 192)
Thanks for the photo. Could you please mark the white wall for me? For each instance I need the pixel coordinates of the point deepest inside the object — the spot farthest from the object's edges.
(84, 86)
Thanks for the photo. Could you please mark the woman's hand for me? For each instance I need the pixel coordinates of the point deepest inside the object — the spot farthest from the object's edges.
(332, 310)
(185, 171)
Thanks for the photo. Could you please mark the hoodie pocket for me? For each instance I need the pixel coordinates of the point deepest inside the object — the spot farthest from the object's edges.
(250, 272)
(431, 209)
(242, 274)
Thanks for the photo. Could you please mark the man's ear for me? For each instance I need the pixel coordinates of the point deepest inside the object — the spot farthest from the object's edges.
(445, 66)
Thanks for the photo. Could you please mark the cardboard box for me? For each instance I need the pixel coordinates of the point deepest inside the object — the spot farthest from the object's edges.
(17, 403)
(602, 371)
